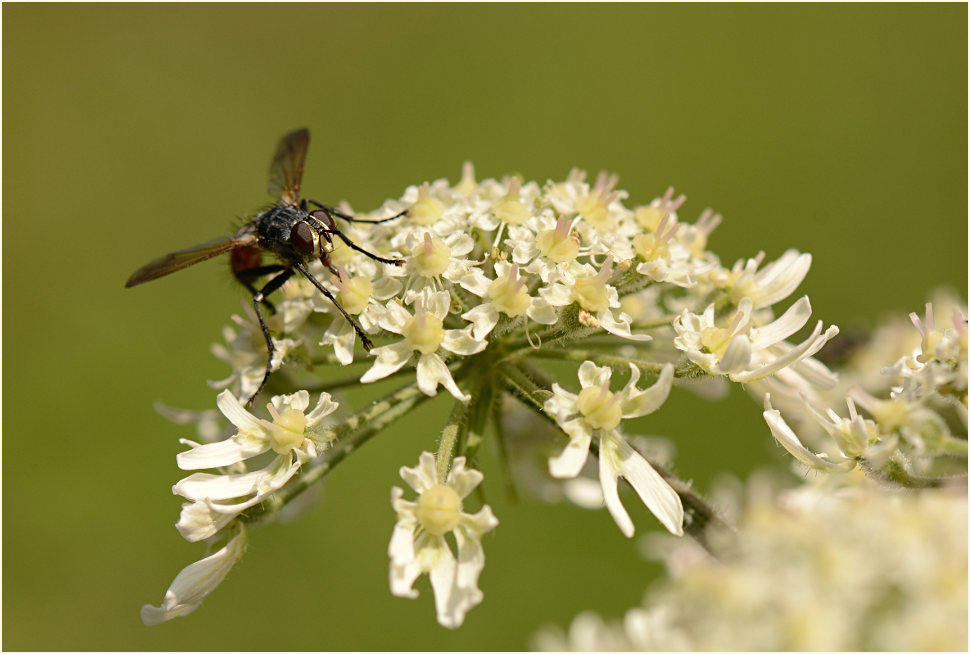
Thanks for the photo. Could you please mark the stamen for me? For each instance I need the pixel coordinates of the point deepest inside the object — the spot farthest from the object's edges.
(419, 313)
(515, 282)
(606, 271)
(562, 228)
(428, 245)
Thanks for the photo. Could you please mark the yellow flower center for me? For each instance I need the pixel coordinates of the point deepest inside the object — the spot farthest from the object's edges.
(430, 258)
(595, 210)
(354, 292)
(427, 210)
(287, 430)
(467, 186)
(423, 332)
(558, 244)
(716, 339)
(592, 292)
(439, 509)
(600, 407)
(509, 294)
(510, 208)
(649, 217)
(650, 247)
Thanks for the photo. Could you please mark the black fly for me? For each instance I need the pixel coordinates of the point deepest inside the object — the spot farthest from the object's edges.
(288, 230)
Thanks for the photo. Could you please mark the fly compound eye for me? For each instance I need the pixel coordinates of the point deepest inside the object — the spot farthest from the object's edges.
(325, 219)
(302, 238)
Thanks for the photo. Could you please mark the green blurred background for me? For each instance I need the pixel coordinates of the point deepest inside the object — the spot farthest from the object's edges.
(131, 130)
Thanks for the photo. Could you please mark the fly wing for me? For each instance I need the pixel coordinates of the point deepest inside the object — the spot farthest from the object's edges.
(179, 259)
(286, 171)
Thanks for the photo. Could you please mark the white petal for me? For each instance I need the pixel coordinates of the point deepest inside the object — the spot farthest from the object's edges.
(737, 355)
(390, 359)
(657, 495)
(461, 341)
(583, 492)
(789, 323)
(223, 453)
(461, 480)
(387, 287)
(437, 303)
(479, 523)
(237, 415)
(325, 406)
(570, 461)
(542, 312)
(432, 371)
(195, 582)
(475, 281)
(561, 405)
(298, 401)
(462, 245)
(448, 605)
(342, 337)
(202, 486)
(424, 475)
(780, 278)
(784, 435)
(638, 403)
(811, 345)
(591, 374)
(608, 476)
(197, 522)
(556, 294)
(620, 327)
(394, 318)
(483, 317)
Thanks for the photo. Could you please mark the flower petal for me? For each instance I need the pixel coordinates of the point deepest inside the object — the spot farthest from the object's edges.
(636, 403)
(461, 341)
(223, 453)
(570, 461)
(656, 494)
(784, 435)
(237, 415)
(432, 371)
(390, 359)
(194, 583)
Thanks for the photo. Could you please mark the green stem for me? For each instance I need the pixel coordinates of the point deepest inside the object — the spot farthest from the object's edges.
(481, 410)
(522, 386)
(453, 432)
(896, 472)
(663, 321)
(503, 451)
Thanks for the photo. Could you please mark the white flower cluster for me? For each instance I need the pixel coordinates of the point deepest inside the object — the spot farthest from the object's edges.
(499, 277)
(860, 569)
(916, 433)
(215, 500)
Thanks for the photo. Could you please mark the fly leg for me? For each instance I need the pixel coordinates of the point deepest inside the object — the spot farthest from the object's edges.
(364, 340)
(340, 214)
(351, 244)
(247, 276)
(272, 285)
(327, 226)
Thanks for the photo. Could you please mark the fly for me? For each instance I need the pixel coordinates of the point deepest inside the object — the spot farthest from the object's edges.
(289, 230)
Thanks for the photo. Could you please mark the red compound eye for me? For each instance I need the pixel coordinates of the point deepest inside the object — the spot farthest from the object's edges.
(324, 218)
(301, 238)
